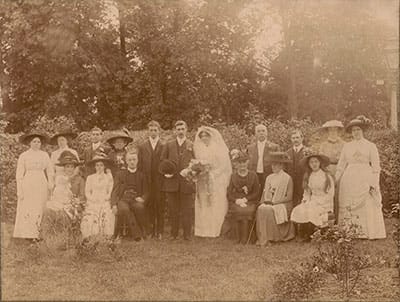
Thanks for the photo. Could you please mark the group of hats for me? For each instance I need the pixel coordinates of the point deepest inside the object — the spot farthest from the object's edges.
(360, 121)
(26, 138)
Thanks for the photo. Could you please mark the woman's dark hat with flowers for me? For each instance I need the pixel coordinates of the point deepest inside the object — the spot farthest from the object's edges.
(360, 121)
(66, 158)
(100, 156)
(26, 138)
(279, 157)
(167, 167)
(241, 157)
(124, 134)
(65, 133)
(323, 159)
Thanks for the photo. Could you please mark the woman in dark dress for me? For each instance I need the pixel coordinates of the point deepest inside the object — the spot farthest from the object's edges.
(242, 193)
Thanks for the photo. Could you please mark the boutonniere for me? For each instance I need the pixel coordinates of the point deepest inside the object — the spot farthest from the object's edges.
(189, 147)
(245, 190)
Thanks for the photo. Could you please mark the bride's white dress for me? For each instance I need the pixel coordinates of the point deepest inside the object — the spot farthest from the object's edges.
(211, 204)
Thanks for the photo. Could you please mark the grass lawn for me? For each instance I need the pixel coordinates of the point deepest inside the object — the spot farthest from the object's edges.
(203, 269)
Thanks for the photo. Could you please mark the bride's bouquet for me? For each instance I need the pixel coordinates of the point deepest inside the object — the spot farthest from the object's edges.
(196, 169)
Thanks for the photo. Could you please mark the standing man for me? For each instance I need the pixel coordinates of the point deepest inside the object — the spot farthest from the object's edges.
(295, 169)
(179, 191)
(259, 155)
(149, 161)
(96, 135)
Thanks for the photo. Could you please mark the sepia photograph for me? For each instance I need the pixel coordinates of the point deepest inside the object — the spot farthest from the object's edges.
(200, 150)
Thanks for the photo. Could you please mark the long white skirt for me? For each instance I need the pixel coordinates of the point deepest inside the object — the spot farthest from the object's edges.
(211, 206)
(98, 219)
(357, 205)
(30, 208)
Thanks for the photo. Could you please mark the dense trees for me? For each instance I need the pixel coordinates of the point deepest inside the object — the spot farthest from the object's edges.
(121, 62)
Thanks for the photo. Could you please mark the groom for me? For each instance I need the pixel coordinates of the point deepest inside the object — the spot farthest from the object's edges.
(179, 191)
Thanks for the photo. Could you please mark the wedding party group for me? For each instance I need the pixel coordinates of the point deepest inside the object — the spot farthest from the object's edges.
(204, 188)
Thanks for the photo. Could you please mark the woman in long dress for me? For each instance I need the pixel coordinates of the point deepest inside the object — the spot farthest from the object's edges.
(316, 207)
(360, 200)
(98, 218)
(34, 181)
(211, 204)
(62, 140)
(276, 204)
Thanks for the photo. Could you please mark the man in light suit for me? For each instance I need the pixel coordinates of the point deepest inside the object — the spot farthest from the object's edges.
(259, 155)
(179, 191)
(149, 161)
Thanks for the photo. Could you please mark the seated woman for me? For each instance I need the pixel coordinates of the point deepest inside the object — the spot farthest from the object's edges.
(69, 186)
(98, 218)
(316, 208)
(242, 193)
(276, 203)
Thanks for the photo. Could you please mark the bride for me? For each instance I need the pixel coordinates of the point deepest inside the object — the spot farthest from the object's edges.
(211, 203)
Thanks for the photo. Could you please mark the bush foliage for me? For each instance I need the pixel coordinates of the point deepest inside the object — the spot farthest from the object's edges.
(236, 136)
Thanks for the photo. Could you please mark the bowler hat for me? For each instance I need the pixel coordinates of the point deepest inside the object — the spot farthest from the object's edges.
(167, 167)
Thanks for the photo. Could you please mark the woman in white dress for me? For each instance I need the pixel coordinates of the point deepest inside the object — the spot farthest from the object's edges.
(360, 200)
(316, 207)
(62, 140)
(34, 181)
(211, 204)
(98, 218)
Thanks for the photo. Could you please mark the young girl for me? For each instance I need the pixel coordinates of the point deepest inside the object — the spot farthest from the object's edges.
(317, 203)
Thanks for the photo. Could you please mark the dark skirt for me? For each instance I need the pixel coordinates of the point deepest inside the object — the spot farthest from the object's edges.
(245, 213)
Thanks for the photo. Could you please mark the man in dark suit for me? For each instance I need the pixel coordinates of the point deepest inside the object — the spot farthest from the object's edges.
(295, 169)
(149, 161)
(129, 196)
(259, 155)
(96, 135)
(179, 191)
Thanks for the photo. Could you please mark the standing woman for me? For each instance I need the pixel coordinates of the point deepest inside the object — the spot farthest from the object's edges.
(360, 200)
(62, 140)
(98, 217)
(34, 181)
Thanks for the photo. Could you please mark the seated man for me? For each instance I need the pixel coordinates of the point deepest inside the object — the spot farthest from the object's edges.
(242, 193)
(276, 203)
(128, 198)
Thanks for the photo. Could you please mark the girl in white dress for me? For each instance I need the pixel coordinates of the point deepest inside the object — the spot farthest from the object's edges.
(98, 217)
(34, 181)
(360, 200)
(316, 207)
(211, 203)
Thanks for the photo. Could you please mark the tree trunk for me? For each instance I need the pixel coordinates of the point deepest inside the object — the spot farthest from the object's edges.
(122, 28)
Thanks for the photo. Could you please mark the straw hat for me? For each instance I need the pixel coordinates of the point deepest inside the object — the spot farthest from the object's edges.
(323, 159)
(333, 124)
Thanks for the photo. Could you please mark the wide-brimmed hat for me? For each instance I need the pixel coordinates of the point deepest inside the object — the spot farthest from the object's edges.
(167, 167)
(332, 124)
(27, 137)
(360, 121)
(67, 157)
(279, 157)
(241, 157)
(323, 159)
(100, 156)
(119, 134)
(65, 133)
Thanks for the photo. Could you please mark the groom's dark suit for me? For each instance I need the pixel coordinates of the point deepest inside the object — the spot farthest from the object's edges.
(179, 191)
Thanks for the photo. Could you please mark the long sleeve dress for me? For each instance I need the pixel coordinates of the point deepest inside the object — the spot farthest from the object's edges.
(358, 170)
(273, 219)
(317, 201)
(211, 204)
(98, 217)
(32, 191)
